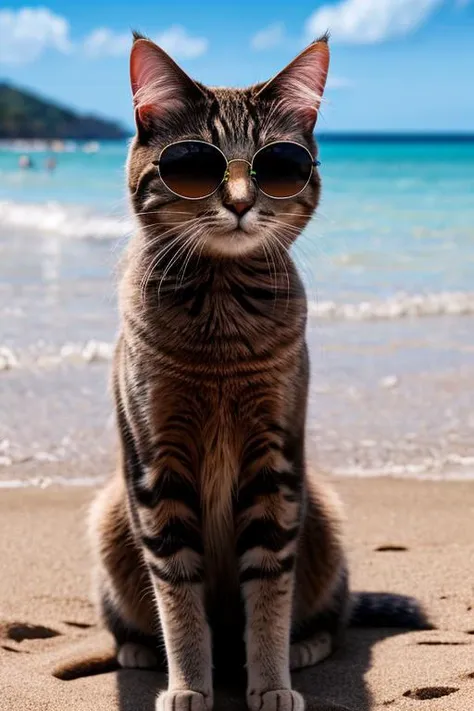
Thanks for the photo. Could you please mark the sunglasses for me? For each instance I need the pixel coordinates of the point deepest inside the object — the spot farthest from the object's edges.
(195, 169)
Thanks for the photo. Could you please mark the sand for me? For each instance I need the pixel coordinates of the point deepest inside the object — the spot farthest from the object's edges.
(46, 617)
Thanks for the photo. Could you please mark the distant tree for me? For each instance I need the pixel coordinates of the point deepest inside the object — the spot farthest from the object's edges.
(25, 115)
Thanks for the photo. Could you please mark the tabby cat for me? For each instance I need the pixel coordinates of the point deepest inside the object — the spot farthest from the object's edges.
(213, 543)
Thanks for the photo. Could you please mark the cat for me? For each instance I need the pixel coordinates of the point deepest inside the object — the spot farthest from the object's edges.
(214, 545)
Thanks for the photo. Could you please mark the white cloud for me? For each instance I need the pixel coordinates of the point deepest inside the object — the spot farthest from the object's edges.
(269, 37)
(26, 33)
(104, 42)
(179, 43)
(370, 21)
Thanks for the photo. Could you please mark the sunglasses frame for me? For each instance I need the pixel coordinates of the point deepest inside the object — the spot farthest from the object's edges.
(225, 177)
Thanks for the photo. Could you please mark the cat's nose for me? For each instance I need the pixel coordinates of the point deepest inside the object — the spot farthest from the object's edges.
(239, 189)
(239, 208)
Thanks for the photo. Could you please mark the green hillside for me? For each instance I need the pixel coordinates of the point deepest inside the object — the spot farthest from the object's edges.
(25, 115)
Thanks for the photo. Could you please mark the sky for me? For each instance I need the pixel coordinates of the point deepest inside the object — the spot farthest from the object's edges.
(397, 65)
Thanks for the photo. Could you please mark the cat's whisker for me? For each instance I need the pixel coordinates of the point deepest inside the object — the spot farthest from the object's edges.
(202, 228)
(272, 270)
(267, 244)
(183, 234)
(173, 261)
(159, 257)
(271, 242)
(190, 224)
(275, 243)
(284, 226)
(191, 252)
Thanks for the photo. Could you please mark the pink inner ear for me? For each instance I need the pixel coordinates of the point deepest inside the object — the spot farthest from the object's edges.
(155, 84)
(304, 82)
(301, 84)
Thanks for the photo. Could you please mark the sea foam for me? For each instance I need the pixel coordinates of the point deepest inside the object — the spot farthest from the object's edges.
(46, 356)
(400, 305)
(70, 221)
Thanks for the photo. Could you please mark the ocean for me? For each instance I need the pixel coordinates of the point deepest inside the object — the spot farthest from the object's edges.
(389, 266)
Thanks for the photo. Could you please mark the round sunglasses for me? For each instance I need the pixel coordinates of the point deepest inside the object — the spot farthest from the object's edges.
(195, 170)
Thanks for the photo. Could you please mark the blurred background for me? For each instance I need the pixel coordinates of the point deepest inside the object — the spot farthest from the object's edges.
(388, 259)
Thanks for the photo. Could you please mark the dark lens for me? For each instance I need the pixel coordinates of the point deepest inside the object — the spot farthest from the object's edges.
(282, 169)
(192, 169)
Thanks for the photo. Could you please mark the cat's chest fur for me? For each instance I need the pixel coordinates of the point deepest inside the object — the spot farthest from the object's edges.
(219, 481)
(225, 316)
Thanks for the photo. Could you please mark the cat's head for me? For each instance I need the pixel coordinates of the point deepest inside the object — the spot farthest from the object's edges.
(238, 217)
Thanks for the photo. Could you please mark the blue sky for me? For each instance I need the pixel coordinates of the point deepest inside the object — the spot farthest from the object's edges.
(397, 65)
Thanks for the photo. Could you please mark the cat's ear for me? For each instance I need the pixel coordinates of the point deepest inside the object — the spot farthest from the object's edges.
(159, 86)
(299, 87)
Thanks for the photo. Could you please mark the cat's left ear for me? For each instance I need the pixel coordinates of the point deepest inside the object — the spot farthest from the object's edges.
(300, 85)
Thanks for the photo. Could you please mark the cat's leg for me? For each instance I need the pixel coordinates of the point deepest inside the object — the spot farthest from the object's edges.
(315, 638)
(121, 581)
(168, 521)
(160, 429)
(321, 599)
(268, 516)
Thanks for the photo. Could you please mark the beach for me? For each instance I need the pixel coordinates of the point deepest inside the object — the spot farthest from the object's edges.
(410, 537)
(388, 264)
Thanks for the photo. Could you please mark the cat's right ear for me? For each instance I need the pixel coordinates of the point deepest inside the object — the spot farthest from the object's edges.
(159, 86)
(299, 86)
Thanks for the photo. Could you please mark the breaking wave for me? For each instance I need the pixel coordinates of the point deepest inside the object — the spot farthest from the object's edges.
(401, 305)
(44, 357)
(71, 221)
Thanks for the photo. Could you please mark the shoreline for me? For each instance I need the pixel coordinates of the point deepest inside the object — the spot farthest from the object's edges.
(386, 398)
(50, 480)
(48, 473)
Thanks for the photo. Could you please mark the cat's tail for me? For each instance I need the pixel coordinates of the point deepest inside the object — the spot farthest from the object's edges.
(314, 643)
(87, 664)
(369, 609)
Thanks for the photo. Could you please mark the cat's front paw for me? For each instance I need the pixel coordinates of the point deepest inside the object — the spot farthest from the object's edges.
(276, 700)
(183, 701)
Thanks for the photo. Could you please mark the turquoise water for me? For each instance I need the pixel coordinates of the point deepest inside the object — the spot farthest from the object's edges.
(389, 265)
(93, 179)
(395, 217)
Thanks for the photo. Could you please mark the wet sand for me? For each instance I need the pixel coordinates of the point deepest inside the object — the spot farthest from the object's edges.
(384, 399)
(409, 537)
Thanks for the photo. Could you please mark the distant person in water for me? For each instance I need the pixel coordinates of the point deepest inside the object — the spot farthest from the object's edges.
(50, 164)
(25, 162)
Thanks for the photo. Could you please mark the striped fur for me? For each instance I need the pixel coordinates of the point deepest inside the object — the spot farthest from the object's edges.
(212, 532)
